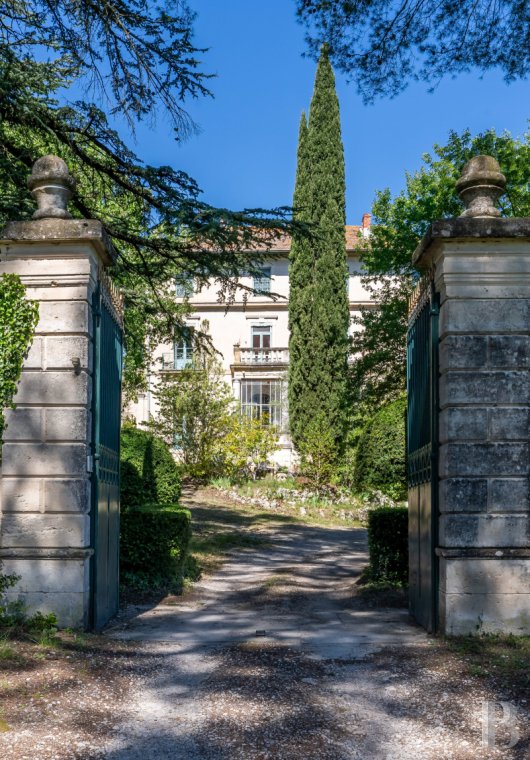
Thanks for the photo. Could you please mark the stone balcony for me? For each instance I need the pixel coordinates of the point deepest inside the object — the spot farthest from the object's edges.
(244, 357)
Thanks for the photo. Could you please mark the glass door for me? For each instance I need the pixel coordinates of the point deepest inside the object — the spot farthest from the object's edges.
(261, 342)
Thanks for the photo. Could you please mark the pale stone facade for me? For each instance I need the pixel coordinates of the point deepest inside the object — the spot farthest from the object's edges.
(45, 483)
(252, 337)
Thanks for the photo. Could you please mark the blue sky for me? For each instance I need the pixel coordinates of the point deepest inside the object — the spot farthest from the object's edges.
(245, 153)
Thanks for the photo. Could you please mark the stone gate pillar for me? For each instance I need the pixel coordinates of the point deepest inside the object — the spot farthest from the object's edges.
(481, 268)
(46, 472)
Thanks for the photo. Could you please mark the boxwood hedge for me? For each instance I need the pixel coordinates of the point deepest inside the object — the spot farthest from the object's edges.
(154, 540)
(149, 474)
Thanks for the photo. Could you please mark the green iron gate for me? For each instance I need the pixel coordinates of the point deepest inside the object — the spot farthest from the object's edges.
(106, 414)
(422, 452)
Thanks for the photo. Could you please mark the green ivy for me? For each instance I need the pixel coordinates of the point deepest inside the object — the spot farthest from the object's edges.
(18, 320)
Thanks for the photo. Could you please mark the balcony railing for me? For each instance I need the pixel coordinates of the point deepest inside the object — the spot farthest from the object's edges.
(261, 355)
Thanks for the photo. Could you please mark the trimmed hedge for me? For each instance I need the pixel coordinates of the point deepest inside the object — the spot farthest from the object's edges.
(380, 462)
(388, 532)
(154, 540)
(149, 474)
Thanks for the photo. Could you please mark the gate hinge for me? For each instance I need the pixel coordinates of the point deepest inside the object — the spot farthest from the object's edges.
(90, 463)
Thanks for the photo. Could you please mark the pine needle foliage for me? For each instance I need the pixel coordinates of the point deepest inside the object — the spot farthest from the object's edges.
(75, 80)
(384, 45)
(318, 300)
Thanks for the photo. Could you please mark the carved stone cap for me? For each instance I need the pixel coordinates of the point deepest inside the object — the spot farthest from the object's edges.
(480, 186)
(52, 186)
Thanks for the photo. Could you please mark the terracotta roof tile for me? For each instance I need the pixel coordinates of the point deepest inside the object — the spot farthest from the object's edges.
(283, 243)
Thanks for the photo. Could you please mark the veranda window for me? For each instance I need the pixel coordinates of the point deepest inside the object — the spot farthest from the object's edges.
(262, 400)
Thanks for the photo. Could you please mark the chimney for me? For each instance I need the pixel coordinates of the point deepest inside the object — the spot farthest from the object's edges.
(365, 225)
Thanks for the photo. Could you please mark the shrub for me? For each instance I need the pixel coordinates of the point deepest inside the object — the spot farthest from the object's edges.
(388, 545)
(318, 453)
(154, 540)
(248, 446)
(380, 459)
(149, 474)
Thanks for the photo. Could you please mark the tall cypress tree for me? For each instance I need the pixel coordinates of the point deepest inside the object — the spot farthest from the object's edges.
(318, 300)
(300, 273)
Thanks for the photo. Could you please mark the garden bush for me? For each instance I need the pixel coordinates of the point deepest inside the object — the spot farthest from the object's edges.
(154, 541)
(149, 474)
(388, 545)
(380, 462)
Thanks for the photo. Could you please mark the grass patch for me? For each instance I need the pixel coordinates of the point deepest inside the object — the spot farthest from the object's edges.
(274, 580)
(289, 500)
(209, 551)
(380, 593)
(506, 658)
(7, 652)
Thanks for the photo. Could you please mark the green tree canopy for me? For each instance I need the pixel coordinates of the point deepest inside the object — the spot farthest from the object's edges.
(378, 373)
(384, 44)
(194, 411)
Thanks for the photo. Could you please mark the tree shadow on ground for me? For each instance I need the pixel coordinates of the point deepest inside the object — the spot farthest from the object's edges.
(270, 701)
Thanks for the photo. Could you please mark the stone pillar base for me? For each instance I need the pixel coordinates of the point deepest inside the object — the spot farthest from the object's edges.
(55, 581)
(485, 594)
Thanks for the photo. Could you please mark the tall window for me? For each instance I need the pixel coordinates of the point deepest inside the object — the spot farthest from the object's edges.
(262, 400)
(183, 350)
(261, 342)
(262, 282)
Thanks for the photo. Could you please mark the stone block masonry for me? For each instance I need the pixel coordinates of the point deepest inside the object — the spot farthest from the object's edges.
(45, 484)
(482, 272)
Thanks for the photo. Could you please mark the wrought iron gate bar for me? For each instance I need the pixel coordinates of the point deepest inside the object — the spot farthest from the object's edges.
(420, 376)
(422, 451)
(112, 296)
(106, 411)
(420, 294)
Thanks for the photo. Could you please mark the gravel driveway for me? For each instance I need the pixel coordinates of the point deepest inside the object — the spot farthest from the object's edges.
(274, 657)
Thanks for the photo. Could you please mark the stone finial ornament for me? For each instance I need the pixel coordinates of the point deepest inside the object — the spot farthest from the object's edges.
(52, 186)
(480, 186)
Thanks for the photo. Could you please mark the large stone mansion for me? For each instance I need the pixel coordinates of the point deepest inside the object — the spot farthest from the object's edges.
(252, 337)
